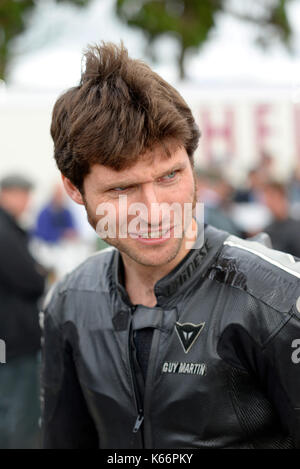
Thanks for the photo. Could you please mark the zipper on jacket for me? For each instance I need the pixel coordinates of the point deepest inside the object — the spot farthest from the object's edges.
(138, 422)
(149, 384)
(138, 400)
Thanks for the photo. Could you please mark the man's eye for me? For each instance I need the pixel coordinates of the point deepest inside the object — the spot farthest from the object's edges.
(170, 175)
(119, 189)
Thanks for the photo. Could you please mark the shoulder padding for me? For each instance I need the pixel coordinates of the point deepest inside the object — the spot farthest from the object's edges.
(277, 259)
(90, 275)
(269, 275)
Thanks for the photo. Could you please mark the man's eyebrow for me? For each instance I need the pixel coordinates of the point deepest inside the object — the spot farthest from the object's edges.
(176, 167)
(128, 183)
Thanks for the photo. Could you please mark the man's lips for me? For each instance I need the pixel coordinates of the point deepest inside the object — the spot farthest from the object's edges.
(154, 234)
(155, 240)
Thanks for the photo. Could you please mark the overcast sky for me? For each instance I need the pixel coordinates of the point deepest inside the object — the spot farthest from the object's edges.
(49, 53)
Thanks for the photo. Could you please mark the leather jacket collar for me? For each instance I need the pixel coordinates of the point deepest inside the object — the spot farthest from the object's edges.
(181, 276)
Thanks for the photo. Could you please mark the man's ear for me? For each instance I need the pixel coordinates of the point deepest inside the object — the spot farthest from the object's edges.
(72, 190)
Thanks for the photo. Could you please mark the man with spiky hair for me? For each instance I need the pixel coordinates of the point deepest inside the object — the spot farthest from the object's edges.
(178, 335)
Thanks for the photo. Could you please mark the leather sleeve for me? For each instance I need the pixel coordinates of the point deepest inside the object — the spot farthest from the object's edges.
(279, 369)
(66, 421)
(275, 364)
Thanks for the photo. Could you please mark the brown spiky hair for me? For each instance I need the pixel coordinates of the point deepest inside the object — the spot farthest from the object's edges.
(119, 110)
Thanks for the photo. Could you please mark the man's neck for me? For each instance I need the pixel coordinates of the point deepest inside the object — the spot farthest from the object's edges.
(140, 279)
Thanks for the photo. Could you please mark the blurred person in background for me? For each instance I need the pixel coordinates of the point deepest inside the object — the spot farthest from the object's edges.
(55, 221)
(248, 211)
(216, 194)
(21, 286)
(59, 238)
(283, 230)
(293, 187)
(252, 192)
(267, 166)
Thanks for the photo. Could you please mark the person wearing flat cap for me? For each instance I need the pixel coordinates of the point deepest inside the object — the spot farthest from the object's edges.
(21, 286)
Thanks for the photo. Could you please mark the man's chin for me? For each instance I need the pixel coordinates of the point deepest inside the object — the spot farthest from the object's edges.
(154, 256)
(153, 261)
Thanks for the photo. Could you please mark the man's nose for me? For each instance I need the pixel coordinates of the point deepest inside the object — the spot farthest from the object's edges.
(150, 198)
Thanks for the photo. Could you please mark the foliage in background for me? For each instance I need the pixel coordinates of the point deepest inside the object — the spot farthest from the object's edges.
(192, 21)
(13, 22)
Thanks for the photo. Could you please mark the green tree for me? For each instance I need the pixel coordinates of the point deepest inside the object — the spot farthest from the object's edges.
(13, 22)
(192, 21)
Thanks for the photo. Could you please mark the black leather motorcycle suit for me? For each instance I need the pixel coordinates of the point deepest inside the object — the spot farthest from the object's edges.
(223, 369)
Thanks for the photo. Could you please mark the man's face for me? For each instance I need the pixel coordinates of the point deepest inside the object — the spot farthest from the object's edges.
(15, 200)
(276, 202)
(153, 180)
